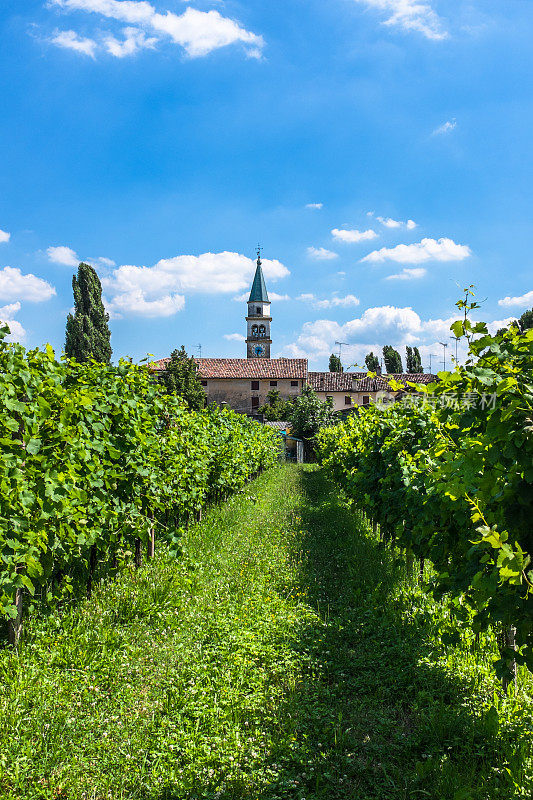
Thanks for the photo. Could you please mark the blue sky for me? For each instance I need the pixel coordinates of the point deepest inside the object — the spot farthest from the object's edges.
(380, 151)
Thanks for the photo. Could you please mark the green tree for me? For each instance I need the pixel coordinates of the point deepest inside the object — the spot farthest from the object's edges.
(414, 361)
(87, 332)
(309, 414)
(393, 360)
(372, 362)
(276, 408)
(181, 377)
(335, 363)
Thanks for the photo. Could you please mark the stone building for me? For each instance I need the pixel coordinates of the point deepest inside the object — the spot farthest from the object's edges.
(347, 389)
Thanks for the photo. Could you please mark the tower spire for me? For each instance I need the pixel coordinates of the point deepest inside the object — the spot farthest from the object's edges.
(259, 291)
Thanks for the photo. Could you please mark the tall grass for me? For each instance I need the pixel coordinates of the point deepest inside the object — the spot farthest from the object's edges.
(284, 655)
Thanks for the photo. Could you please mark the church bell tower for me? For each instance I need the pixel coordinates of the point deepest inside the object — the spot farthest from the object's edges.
(258, 320)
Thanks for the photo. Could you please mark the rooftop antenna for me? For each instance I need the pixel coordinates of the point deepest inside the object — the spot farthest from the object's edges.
(444, 346)
(199, 348)
(341, 345)
(431, 355)
(456, 343)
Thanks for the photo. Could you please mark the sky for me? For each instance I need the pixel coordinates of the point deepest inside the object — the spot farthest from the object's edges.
(378, 150)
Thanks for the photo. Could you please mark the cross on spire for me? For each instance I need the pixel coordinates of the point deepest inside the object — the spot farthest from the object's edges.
(259, 248)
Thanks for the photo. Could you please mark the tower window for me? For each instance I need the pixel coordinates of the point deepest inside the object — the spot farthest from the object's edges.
(254, 330)
(255, 386)
(255, 402)
(257, 310)
(262, 330)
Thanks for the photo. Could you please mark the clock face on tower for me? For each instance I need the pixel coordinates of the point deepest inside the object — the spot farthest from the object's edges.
(259, 350)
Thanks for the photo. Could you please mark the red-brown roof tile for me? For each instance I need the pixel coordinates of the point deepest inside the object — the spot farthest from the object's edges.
(295, 368)
(360, 382)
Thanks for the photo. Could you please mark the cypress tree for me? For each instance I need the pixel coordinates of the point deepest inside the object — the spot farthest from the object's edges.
(372, 362)
(393, 360)
(414, 361)
(87, 334)
(335, 363)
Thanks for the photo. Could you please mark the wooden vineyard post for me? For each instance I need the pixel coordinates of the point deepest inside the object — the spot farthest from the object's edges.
(508, 642)
(92, 566)
(150, 547)
(14, 626)
(138, 558)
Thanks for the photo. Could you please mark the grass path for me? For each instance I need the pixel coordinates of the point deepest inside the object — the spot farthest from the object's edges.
(281, 657)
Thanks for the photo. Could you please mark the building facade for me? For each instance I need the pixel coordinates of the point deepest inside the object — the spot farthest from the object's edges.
(349, 389)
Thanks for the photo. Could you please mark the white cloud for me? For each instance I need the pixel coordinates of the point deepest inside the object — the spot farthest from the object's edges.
(4, 236)
(522, 300)
(198, 32)
(63, 255)
(16, 286)
(103, 261)
(408, 274)
(135, 303)
(278, 298)
(9, 310)
(17, 332)
(339, 302)
(234, 337)
(333, 302)
(395, 223)
(351, 236)
(389, 223)
(71, 41)
(427, 250)
(321, 254)
(445, 128)
(496, 324)
(134, 40)
(411, 15)
(138, 290)
(373, 329)
(315, 205)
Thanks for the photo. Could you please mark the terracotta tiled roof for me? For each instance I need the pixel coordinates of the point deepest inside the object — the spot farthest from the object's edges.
(333, 381)
(279, 426)
(359, 382)
(246, 367)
